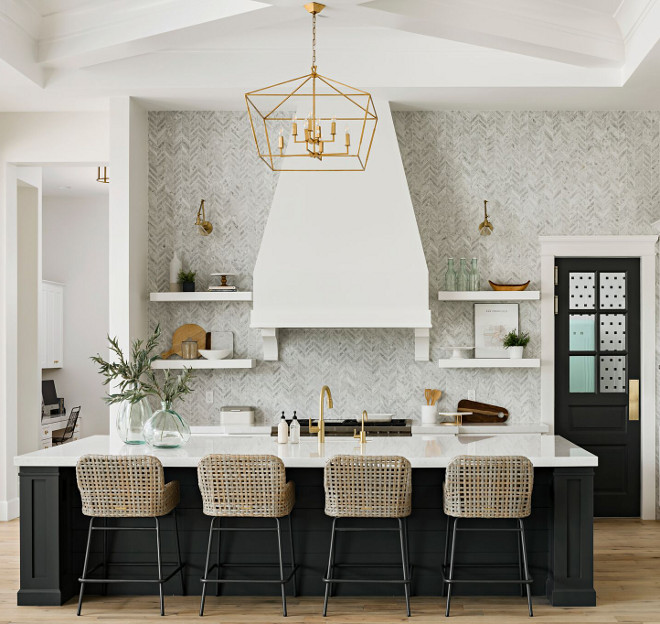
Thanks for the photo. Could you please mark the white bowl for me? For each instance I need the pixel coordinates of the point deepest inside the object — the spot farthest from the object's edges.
(214, 354)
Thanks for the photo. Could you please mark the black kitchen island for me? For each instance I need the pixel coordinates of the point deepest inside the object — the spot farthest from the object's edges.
(559, 530)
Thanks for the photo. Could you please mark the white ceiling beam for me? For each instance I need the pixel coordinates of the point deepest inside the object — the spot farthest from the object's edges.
(538, 28)
(106, 30)
(18, 46)
(639, 21)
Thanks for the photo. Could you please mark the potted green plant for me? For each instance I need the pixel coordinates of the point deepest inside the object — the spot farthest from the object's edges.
(166, 428)
(187, 279)
(516, 342)
(130, 375)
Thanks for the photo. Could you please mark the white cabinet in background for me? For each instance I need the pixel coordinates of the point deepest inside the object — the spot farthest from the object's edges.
(51, 325)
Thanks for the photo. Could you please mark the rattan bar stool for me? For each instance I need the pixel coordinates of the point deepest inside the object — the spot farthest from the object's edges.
(368, 486)
(246, 486)
(126, 487)
(487, 487)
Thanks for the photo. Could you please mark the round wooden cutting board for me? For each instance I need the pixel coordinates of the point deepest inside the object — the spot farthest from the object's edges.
(185, 332)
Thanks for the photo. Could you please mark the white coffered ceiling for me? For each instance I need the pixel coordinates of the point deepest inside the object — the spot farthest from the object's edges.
(75, 54)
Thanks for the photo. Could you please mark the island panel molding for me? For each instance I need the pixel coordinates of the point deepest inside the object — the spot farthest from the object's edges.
(51, 558)
(537, 166)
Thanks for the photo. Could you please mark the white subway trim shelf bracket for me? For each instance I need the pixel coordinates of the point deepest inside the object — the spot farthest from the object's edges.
(489, 295)
(202, 364)
(200, 296)
(491, 363)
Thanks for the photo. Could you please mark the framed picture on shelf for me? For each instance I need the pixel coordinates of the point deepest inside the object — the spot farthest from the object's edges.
(492, 322)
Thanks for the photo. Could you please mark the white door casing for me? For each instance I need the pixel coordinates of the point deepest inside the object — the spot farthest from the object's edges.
(644, 248)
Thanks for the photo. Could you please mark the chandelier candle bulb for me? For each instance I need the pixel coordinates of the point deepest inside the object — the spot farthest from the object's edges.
(333, 126)
(348, 138)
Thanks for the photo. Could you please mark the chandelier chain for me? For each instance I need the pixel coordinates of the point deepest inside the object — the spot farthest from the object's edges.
(314, 40)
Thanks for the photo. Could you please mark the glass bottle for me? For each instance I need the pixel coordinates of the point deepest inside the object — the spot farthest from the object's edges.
(475, 281)
(131, 417)
(450, 275)
(463, 279)
(166, 429)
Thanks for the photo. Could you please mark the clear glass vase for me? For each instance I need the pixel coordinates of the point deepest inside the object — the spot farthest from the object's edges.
(463, 278)
(166, 429)
(475, 280)
(450, 275)
(131, 419)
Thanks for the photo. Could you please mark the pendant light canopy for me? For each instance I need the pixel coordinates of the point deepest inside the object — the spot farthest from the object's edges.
(312, 123)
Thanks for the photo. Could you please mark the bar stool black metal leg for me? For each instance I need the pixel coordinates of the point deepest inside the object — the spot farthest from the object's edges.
(527, 577)
(293, 559)
(206, 568)
(445, 560)
(217, 561)
(331, 559)
(404, 563)
(520, 563)
(451, 566)
(84, 572)
(279, 551)
(104, 587)
(178, 553)
(160, 571)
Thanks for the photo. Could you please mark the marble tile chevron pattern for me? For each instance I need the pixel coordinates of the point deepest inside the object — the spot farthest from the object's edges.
(543, 172)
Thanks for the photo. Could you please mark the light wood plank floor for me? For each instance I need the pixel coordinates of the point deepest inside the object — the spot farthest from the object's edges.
(627, 564)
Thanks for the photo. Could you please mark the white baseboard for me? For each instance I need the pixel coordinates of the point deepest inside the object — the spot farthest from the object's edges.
(9, 510)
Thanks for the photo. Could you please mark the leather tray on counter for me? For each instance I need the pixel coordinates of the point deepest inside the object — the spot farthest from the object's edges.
(482, 412)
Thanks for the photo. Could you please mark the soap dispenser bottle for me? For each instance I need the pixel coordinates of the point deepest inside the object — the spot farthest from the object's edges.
(294, 430)
(282, 431)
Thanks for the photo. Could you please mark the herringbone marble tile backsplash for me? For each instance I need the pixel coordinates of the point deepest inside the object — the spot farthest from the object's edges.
(543, 172)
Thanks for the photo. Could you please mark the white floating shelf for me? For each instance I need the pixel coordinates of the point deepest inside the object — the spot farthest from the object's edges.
(490, 363)
(200, 296)
(204, 364)
(489, 295)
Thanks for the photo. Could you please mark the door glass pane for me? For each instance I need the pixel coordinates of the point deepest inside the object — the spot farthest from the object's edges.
(582, 373)
(582, 291)
(582, 332)
(613, 291)
(613, 332)
(613, 373)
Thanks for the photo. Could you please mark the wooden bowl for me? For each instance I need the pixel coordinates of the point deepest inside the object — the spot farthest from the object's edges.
(495, 286)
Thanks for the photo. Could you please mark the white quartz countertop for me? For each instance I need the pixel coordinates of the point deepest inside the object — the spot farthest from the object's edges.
(423, 451)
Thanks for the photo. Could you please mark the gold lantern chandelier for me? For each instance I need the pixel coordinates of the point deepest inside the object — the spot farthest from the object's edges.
(312, 123)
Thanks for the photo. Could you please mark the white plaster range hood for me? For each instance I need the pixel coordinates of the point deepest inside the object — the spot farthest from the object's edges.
(342, 249)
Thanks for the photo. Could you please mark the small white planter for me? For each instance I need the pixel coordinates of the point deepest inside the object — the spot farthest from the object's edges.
(516, 353)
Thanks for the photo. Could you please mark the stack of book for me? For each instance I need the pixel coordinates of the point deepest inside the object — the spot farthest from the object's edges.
(223, 289)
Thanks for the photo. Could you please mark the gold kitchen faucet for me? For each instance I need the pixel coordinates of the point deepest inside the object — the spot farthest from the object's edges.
(320, 428)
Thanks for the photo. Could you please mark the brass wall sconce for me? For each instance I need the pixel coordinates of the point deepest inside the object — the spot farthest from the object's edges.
(205, 227)
(104, 179)
(486, 227)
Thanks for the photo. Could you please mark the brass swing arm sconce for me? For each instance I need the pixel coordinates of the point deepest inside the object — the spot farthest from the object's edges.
(205, 227)
(486, 227)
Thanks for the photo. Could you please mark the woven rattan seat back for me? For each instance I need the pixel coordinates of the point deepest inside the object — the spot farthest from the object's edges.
(245, 485)
(368, 486)
(124, 487)
(488, 487)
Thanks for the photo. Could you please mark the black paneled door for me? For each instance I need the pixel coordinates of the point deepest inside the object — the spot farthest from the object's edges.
(597, 370)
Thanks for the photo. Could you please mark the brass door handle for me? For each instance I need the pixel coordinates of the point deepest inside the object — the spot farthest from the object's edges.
(633, 399)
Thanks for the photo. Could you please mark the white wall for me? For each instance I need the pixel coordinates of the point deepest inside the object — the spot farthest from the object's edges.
(28, 277)
(30, 139)
(75, 253)
(128, 226)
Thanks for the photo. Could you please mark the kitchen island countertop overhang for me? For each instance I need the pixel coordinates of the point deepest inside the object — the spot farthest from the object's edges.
(423, 451)
(560, 527)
